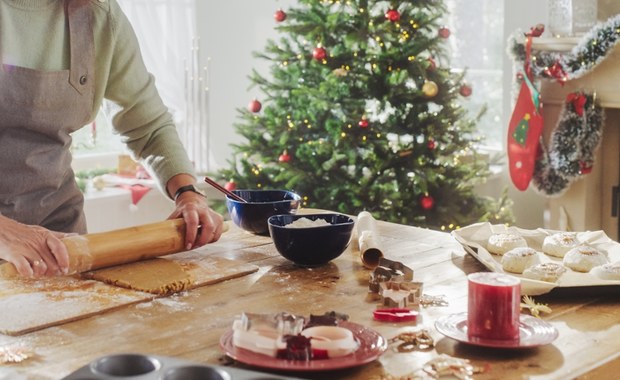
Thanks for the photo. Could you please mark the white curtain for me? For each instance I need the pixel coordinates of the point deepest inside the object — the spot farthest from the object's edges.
(165, 29)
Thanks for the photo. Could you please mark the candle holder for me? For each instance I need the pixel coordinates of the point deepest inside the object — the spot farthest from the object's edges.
(560, 22)
(584, 16)
(195, 132)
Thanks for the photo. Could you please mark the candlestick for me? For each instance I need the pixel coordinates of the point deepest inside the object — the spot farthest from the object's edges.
(493, 306)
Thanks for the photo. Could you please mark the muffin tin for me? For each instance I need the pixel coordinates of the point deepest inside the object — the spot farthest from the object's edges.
(151, 367)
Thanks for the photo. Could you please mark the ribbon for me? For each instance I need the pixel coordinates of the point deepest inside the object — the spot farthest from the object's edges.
(578, 100)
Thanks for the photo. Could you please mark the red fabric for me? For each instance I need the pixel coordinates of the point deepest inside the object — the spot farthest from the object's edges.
(524, 132)
(137, 192)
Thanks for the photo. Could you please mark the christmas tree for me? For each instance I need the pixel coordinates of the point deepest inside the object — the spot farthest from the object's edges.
(361, 112)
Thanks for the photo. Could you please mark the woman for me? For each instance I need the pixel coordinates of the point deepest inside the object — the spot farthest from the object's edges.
(61, 58)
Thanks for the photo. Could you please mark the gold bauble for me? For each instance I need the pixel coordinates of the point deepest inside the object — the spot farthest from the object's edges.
(430, 89)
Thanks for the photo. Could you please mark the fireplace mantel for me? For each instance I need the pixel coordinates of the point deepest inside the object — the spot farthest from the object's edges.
(587, 204)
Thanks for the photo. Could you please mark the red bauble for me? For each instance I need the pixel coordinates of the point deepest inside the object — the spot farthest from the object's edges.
(363, 123)
(319, 54)
(393, 15)
(431, 144)
(230, 185)
(465, 90)
(284, 157)
(431, 64)
(427, 202)
(280, 15)
(254, 106)
(444, 32)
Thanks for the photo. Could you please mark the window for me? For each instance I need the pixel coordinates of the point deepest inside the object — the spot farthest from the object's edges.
(477, 45)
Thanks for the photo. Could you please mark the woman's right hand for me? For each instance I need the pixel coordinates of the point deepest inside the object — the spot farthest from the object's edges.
(33, 250)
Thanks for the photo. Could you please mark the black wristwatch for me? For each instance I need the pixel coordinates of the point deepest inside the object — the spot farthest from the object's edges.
(187, 188)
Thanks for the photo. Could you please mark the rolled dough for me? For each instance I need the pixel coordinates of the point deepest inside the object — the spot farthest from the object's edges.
(157, 276)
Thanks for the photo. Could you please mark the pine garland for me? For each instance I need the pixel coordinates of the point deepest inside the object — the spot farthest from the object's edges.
(571, 151)
(593, 48)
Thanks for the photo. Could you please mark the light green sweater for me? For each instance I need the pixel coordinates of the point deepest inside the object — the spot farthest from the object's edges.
(34, 34)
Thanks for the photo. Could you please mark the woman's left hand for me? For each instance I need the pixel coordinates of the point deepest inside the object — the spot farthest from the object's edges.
(203, 225)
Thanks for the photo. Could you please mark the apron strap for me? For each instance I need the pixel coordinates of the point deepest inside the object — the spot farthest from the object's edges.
(79, 13)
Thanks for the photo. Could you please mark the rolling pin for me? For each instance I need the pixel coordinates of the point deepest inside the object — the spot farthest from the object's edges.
(104, 249)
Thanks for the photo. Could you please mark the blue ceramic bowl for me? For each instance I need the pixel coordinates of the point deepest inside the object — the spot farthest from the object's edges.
(261, 204)
(311, 246)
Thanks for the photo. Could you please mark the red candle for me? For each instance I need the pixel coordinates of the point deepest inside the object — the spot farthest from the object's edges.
(493, 306)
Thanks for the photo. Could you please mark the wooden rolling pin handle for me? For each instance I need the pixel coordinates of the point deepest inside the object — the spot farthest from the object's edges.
(105, 249)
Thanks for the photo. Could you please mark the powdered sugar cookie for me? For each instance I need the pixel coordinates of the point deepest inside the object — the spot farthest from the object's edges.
(517, 259)
(501, 243)
(550, 272)
(607, 271)
(559, 243)
(583, 258)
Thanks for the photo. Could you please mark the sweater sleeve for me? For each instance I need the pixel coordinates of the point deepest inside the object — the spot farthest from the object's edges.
(144, 122)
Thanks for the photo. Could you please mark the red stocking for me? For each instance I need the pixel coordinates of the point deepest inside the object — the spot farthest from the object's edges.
(524, 130)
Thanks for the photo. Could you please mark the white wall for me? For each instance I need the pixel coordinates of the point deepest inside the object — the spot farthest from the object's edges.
(230, 31)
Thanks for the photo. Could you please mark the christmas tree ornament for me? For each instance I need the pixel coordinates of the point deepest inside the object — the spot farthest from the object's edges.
(430, 89)
(254, 106)
(431, 144)
(524, 130)
(431, 64)
(230, 185)
(444, 32)
(363, 123)
(280, 15)
(319, 53)
(392, 15)
(465, 90)
(427, 202)
(284, 157)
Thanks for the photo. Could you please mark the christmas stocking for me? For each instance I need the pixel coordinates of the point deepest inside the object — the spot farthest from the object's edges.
(524, 132)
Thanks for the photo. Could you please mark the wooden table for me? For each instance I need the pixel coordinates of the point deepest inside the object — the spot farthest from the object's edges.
(188, 326)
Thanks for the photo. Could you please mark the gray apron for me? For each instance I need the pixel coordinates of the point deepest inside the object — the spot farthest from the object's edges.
(38, 111)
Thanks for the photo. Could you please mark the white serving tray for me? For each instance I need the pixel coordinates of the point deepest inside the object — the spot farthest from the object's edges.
(474, 239)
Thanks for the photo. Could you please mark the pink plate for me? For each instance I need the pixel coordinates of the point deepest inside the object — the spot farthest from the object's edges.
(372, 345)
(532, 332)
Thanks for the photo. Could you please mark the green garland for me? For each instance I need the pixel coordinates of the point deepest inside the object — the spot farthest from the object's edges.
(593, 47)
(571, 150)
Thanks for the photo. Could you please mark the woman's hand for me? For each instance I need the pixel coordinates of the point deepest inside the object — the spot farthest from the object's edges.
(33, 250)
(203, 225)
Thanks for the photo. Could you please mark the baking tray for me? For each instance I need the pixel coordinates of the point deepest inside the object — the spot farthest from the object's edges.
(152, 367)
(474, 239)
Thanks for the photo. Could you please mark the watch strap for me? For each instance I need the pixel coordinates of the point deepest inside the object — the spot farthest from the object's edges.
(184, 189)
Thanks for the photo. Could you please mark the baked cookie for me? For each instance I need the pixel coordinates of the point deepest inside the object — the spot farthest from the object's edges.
(559, 243)
(499, 244)
(549, 272)
(517, 259)
(583, 258)
(607, 271)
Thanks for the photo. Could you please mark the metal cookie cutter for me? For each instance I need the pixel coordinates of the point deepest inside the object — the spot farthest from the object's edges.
(389, 270)
(400, 294)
